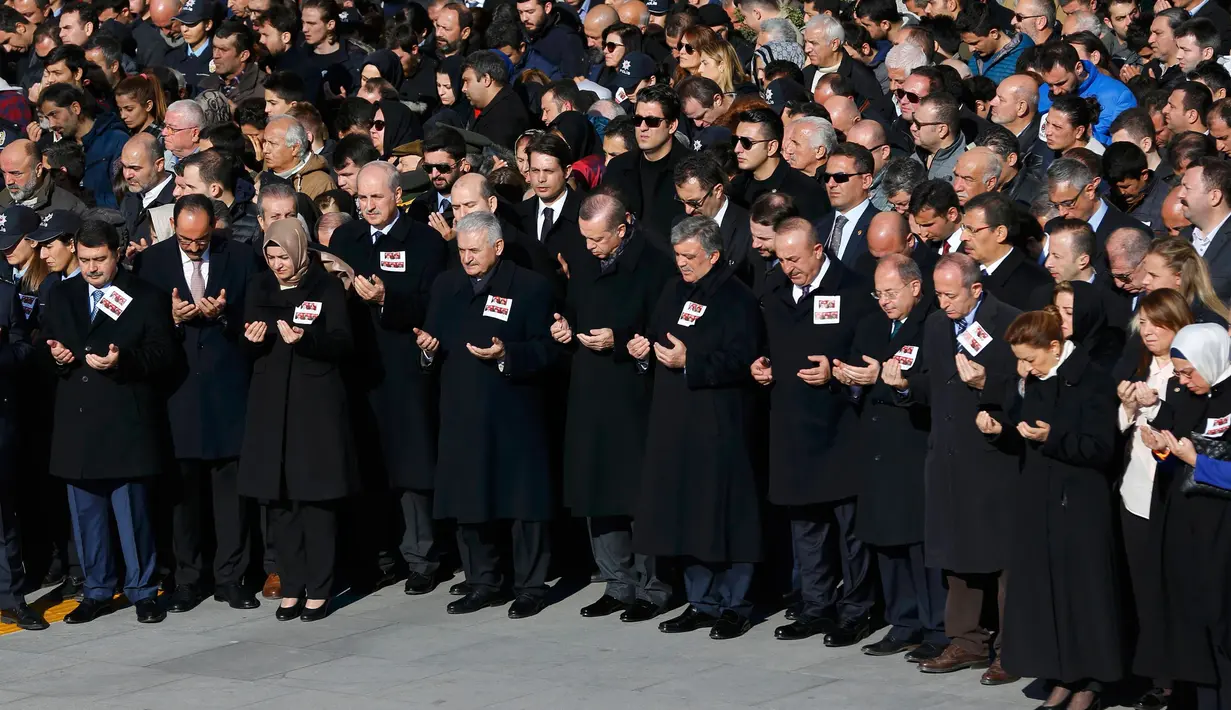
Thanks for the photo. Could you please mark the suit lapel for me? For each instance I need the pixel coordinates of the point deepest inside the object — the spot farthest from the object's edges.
(217, 267)
(1219, 243)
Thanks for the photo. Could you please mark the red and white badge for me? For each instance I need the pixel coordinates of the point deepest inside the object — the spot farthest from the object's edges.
(691, 314)
(1217, 427)
(27, 303)
(906, 356)
(393, 261)
(307, 312)
(114, 302)
(498, 307)
(974, 339)
(826, 310)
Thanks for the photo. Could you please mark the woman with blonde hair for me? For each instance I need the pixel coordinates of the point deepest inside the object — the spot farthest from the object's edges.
(722, 65)
(1174, 263)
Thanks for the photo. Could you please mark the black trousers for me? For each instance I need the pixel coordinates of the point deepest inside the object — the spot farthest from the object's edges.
(418, 546)
(206, 497)
(12, 570)
(914, 594)
(46, 529)
(1135, 532)
(480, 544)
(629, 576)
(828, 553)
(306, 536)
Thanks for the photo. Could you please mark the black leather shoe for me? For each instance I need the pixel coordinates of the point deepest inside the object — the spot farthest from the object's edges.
(605, 606)
(287, 613)
(149, 611)
(88, 610)
(730, 625)
(805, 628)
(460, 589)
(1154, 699)
(418, 583)
(849, 632)
(52, 578)
(24, 617)
(71, 588)
(690, 620)
(792, 612)
(926, 652)
(184, 598)
(235, 596)
(474, 601)
(316, 614)
(526, 606)
(640, 610)
(889, 646)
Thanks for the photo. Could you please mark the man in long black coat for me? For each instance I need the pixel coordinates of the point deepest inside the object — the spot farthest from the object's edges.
(112, 344)
(645, 177)
(611, 295)
(962, 368)
(699, 498)
(488, 333)
(811, 309)
(891, 445)
(205, 275)
(396, 260)
(502, 116)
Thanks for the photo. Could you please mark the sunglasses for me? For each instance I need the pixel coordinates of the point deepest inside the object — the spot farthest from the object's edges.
(612, 46)
(746, 143)
(649, 121)
(1022, 18)
(441, 168)
(378, 125)
(841, 178)
(687, 48)
(695, 204)
(920, 124)
(910, 95)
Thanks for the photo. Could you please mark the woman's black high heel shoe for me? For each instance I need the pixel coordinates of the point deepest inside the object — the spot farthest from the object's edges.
(286, 613)
(316, 614)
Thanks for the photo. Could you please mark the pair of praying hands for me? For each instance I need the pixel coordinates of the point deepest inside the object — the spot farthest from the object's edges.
(674, 357)
(598, 339)
(990, 426)
(1136, 395)
(430, 344)
(255, 332)
(64, 356)
(207, 307)
(1165, 443)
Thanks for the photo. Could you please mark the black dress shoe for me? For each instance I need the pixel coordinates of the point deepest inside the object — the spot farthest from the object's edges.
(71, 588)
(889, 646)
(460, 589)
(418, 583)
(792, 612)
(316, 614)
(926, 652)
(184, 598)
(286, 613)
(805, 628)
(526, 606)
(474, 601)
(730, 625)
(235, 596)
(88, 610)
(1154, 699)
(690, 620)
(640, 610)
(149, 611)
(24, 617)
(849, 632)
(52, 578)
(605, 606)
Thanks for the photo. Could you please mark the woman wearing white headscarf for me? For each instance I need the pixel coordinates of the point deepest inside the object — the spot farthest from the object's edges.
(1194, 530)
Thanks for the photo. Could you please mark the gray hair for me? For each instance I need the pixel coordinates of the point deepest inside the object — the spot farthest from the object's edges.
(607, 109)
(296, 135)
(1046, 8)
(965, 266)
(1069, 171)
(822, 132)
(1086, 21)
(903, 175)
(484, 223)
(828, 25)
(329, 222)
(274, 191)
(905, 266)
(608, 207)
(1131, 242)
(1042, 208)
(780, 29)
(703, 229)
(392, 178)
(907, 57)
(190, 110)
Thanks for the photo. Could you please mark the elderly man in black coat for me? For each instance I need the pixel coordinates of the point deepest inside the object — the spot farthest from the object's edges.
(488, 332)
(962, 369)
(811, 309)
(205, 275)
(396, 260)
(699, 497)
(111, 341)
(891, 445)
(611, 294)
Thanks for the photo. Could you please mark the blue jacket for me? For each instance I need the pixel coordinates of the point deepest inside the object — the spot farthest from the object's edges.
(1114, 99)
(1001, 65)
(561, 46)
(103, 145)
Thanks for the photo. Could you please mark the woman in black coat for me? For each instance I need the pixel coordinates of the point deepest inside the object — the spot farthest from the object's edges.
(1084, 313)
(1061, 611)
(298, 453)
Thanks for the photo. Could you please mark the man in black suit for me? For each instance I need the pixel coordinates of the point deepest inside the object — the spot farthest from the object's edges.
(551, 215)
(758, 144)
(502, 116)
(701, 186)
(1126, 251)
(205, 275)
(936, 217)
(1205, 193)
(112, 343)
(444, 161)
(149, 184)
(1073, 189)
(396, 260)
(989, 230)
(473, 193)
(644, 176)
(1213, 12)
(848, 182)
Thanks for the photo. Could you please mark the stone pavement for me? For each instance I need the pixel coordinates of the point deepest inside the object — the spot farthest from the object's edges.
(388, 650)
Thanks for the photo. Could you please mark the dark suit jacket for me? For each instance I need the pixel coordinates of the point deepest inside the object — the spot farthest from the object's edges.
(1215, 13)
(737, 241)
(137, 215)
(1113, 220)
(15, 350)
(207, 405)
(809, 195)
(424, 205)
(1017, 281)
(649, 189)
(857, 243)
(861, 78)
(502, 120)
(1218, 259)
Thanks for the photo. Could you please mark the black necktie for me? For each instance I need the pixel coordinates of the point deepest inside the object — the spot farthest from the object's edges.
(803, 292)
(547, 215)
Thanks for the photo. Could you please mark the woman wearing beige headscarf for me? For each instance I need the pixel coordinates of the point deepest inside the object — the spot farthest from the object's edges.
(298, 456)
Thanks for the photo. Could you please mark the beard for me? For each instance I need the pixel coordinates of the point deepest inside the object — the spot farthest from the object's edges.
(21, 193)
(594, 55)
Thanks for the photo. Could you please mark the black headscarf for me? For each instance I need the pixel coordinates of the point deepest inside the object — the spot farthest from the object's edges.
(1091, 329)
(389, 65)
(401, 126)
(579, 133)
(453, 67)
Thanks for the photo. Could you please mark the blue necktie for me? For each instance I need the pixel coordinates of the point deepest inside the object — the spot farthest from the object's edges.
(94, 299)
(897, 325)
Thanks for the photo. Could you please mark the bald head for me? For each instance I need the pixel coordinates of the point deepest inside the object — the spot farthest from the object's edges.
(471, 193)
(599, 18)
(163, 11)
(843, 113)
(142, 146)
(142, 163)
(871, 135)
(977, 171)
(888, 233)
(1173, 212)
(634, 12)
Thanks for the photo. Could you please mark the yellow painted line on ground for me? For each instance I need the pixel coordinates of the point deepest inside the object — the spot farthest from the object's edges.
(54, 610)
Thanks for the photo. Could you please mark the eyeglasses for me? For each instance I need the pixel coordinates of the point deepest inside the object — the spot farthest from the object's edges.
(746, 143)
(687, 48)
(910, 95)
(649, 121)
(378, 125)
(611, 46)
(886, 295)
(1066, 204)
(696, 204)
(1022, 18)
(441, 168)
(168, 129)
(976, 230)
(841, 178)
(920, 124)
(202, 242)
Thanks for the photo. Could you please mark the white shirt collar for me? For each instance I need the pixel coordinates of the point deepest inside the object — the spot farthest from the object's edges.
(955, 240)
(383, 230)
(185, 260)
(555, 206)
(722, 211)
(152, 194)
(1192, 11)
(991, 268)
(853, 214)
(1069, 347)
(1097, 218)
(1205, 237)
(797, 292)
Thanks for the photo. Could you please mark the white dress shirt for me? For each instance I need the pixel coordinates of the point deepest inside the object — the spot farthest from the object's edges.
(152, 194)
(797, 292)
(186, 261)
(852, 216)
(991, 268)
(722, 211)
(1202, 240)
(1097, 218)
(1137, 487)
(556, 208)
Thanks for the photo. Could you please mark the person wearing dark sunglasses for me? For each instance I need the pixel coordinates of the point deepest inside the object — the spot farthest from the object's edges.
(935, 129)
(645, 175)
(1036, 19)
(847, 177)
(444, 161)
(758, 144)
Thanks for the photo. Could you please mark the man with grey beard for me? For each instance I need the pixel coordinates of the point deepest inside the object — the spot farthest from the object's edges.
(28, 183)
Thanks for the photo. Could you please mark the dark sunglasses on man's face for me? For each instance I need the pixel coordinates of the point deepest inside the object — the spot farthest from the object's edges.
(841, 178)
(1022, 18)
(746, 143)
(650, 121)
(441, 168)
(910, 95)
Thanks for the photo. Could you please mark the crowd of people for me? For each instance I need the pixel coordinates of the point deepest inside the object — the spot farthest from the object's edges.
(888, 313)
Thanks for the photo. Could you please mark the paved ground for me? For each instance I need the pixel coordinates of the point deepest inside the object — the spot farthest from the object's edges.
(391, 651)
